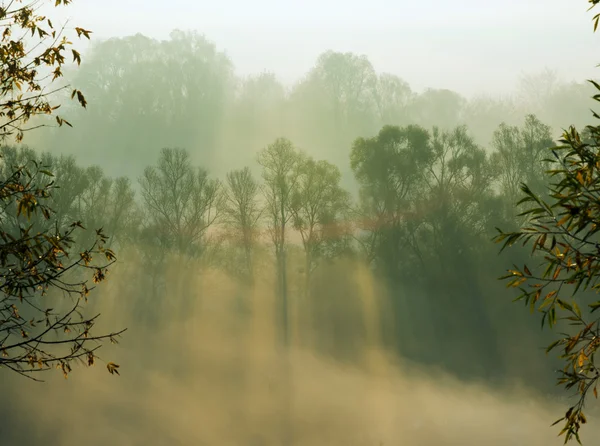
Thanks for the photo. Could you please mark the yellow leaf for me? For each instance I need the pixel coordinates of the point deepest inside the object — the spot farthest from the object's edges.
(556, 273)
(576, 309)
(112, 368)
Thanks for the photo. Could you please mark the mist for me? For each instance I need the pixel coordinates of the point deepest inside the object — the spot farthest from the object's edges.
(468, 42)
(203, 375)
(301, 199)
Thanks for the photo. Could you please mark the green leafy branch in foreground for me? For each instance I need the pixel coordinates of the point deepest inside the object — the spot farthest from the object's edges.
(563, 234)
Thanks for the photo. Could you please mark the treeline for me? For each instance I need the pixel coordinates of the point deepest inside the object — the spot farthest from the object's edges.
(144, 94)
(427, 206)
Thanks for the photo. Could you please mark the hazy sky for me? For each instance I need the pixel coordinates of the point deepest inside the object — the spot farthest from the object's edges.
(470, 46)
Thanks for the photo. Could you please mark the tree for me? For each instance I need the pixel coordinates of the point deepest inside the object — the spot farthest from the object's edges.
(442, 108)
(426, 200)
(241, 212)
(181, 201)
(80, 194)
(482, 114)
(393, 98)
(519, 156)
(146, 94)
(455, 209)
(280, 162)
(43, 283)
(568, 104)
(108, 203)
(335, 101)
(317, 206)
(258, 113)
(459, 176)
(347, 82)
(389, 169)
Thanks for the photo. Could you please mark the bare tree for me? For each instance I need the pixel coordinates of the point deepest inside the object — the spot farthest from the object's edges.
(280, 162)
(110, 204)
(180, 200)
(242, 211)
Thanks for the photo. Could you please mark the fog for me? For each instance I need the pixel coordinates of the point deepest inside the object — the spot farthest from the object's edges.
(479, 47)
(302, 198)
(202, 377)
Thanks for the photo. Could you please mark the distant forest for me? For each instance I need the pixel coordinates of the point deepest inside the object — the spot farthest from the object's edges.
(181, 161)
(144, 94)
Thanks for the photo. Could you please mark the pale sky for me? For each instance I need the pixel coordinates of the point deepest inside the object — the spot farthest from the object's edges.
(471, 46)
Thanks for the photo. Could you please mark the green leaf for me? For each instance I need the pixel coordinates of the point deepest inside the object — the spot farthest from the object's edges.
(594, 306)
(550, 348)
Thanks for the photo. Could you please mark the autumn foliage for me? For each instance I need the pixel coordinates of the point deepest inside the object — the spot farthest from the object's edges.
(44, 279)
